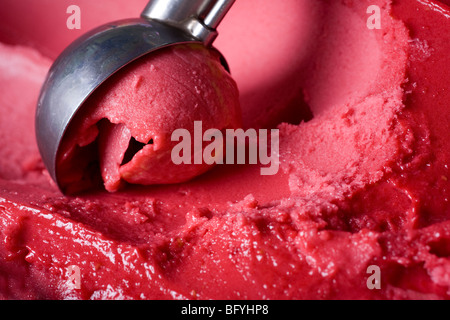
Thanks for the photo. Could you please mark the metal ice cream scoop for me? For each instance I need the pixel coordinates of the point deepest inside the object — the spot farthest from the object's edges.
(93, 58)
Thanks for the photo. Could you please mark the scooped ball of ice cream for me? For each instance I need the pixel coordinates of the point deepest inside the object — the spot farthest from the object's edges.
(124, 131)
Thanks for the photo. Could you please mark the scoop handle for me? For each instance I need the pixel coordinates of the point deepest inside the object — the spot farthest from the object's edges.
(217, 13)
(199, 18)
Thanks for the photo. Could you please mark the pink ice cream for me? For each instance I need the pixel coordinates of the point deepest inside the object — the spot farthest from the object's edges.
(364, 179)
(137, 111)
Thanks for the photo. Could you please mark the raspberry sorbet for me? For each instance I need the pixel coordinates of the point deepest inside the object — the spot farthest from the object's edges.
(358, 210)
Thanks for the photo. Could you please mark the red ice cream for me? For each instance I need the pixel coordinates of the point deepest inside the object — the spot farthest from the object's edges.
(131, 119)
(364, 180)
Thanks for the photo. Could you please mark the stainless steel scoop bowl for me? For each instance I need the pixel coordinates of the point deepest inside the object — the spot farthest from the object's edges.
(93, 58)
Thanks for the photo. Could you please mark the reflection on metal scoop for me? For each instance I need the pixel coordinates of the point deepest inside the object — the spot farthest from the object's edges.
(93, 58)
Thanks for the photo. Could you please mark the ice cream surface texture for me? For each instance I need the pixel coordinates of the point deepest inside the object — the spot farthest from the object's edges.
(363, 182)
